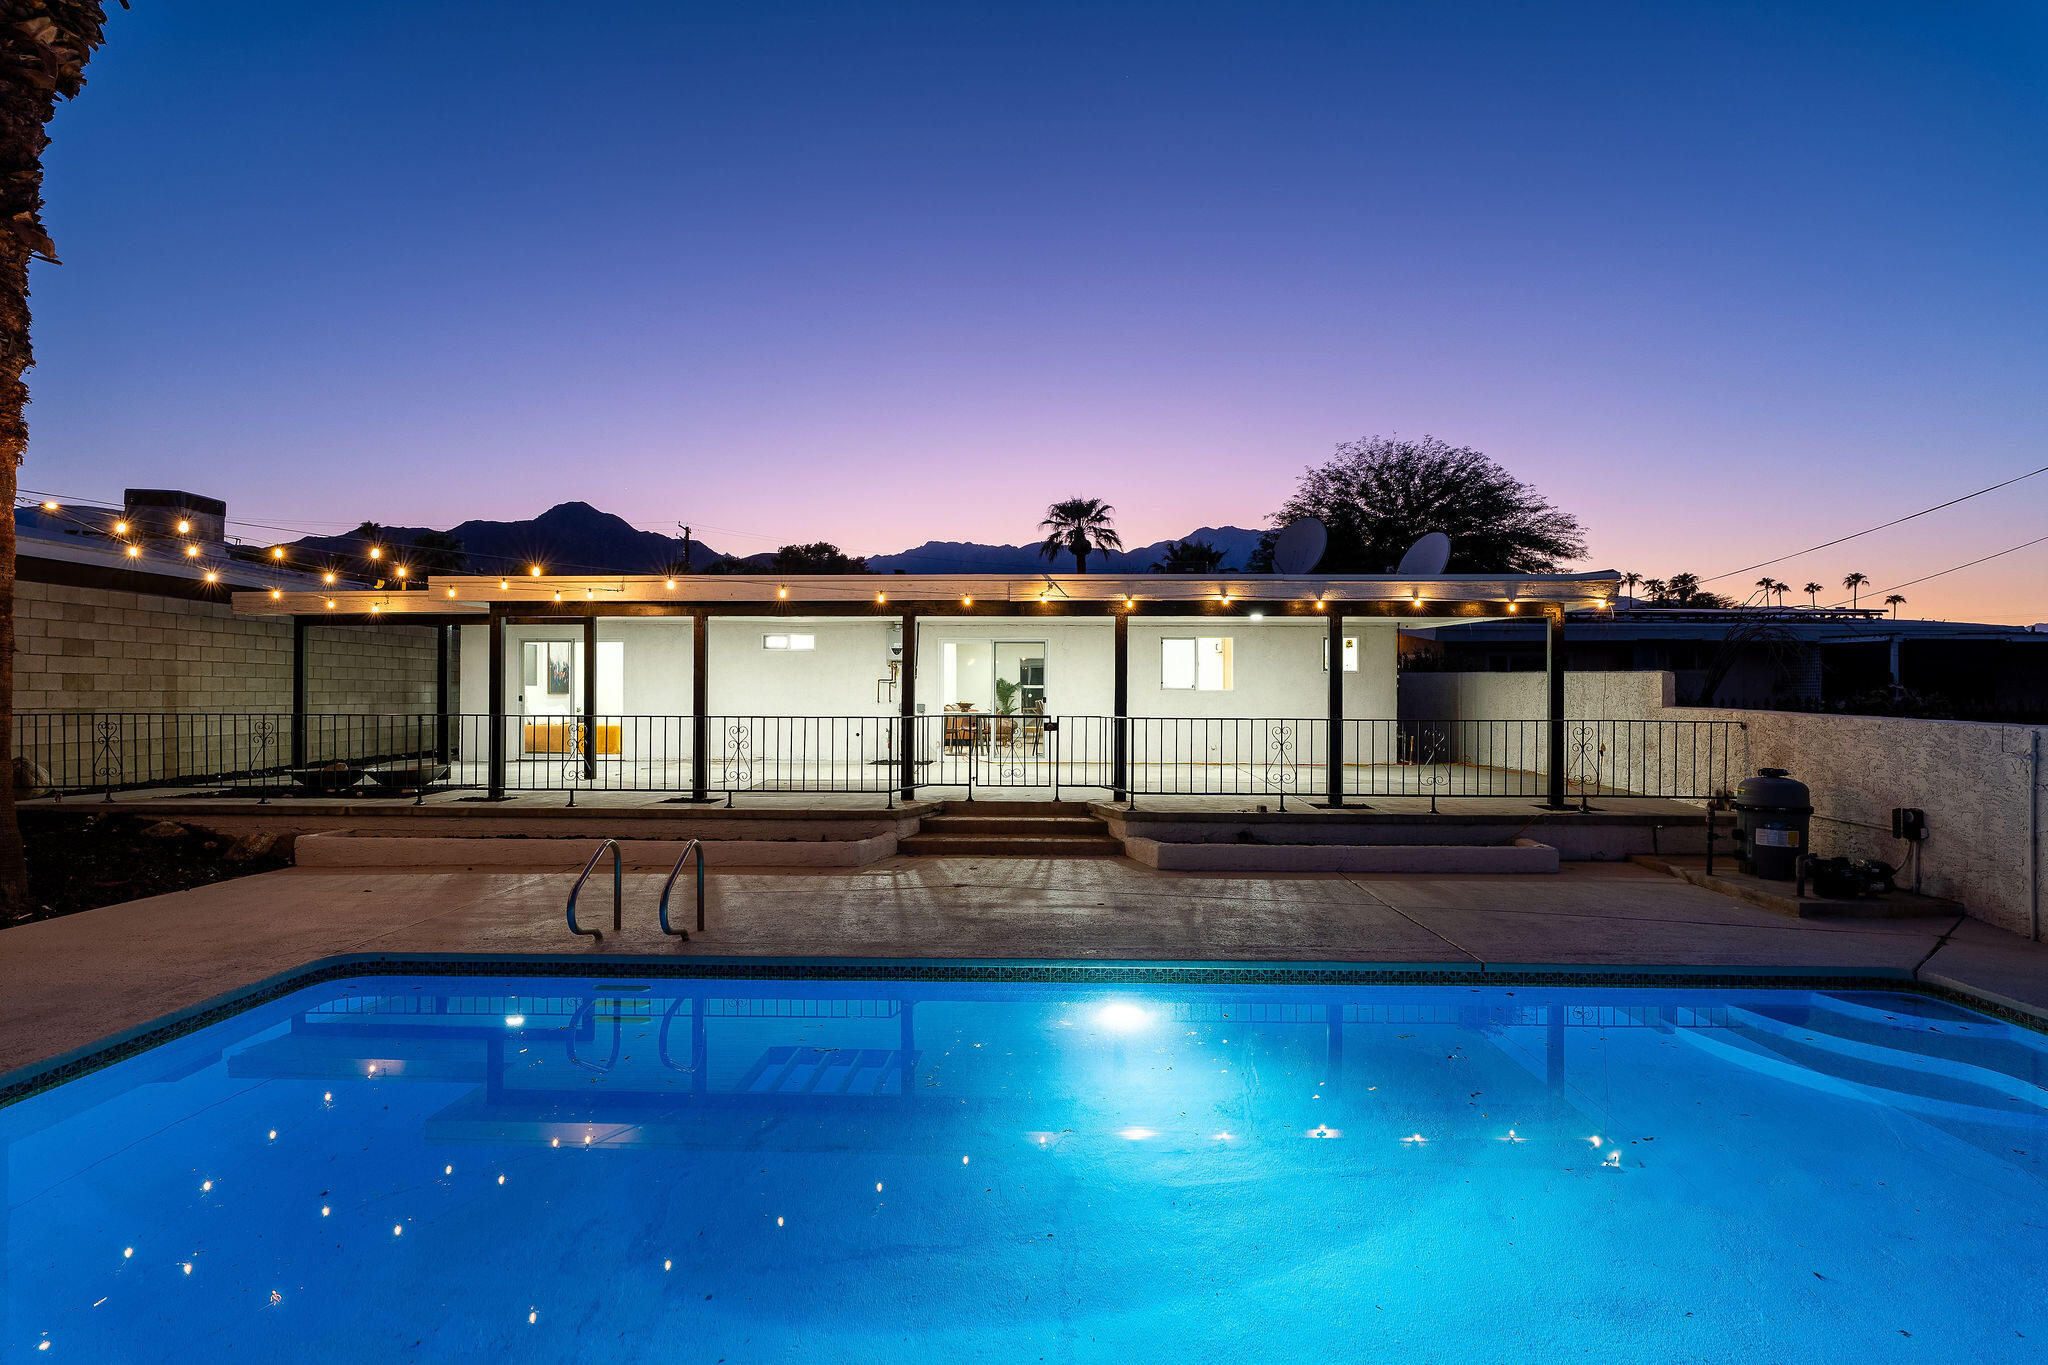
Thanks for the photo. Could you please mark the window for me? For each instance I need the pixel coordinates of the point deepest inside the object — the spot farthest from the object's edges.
(1350, 654)
(1198, 665)
(789, 641)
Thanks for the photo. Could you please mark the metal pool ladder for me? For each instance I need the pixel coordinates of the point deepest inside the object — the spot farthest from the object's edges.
(618, 890)
(692, 847)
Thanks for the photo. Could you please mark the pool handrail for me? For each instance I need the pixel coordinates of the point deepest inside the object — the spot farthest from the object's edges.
(618, 889)
(692, 847)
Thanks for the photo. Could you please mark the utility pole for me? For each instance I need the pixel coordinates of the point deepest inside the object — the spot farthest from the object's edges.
(686, 548)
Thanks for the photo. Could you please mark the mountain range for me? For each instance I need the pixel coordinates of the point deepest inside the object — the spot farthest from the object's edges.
(574, 537)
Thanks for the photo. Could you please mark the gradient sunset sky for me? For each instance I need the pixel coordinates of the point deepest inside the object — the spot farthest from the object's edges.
(1724, 280)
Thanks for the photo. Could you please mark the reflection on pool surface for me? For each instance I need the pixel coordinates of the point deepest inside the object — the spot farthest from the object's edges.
(542, 1169)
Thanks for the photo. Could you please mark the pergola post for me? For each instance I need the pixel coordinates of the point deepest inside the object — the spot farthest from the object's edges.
(907, 692)
(494, 748)
(1333, 776)
(299, 628)
(1553, 662)
(1120, 724)
(700, 699)
(589, 698)
(441, 692)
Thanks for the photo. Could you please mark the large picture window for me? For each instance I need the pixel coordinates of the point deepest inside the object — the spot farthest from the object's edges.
(1197, 664)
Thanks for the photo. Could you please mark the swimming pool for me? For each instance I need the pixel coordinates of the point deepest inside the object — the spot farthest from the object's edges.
(545, 1168)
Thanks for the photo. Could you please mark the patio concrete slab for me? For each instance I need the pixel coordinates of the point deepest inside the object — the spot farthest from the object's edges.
(68, 982)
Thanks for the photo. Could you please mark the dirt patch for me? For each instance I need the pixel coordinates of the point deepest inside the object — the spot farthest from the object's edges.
(83, 861)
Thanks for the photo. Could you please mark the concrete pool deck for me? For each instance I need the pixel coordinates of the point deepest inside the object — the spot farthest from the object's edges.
(69, 982)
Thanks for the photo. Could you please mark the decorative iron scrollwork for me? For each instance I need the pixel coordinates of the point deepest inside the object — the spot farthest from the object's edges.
(738, 762)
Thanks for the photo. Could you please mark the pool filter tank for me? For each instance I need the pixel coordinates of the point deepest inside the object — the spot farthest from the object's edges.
(1773, 814)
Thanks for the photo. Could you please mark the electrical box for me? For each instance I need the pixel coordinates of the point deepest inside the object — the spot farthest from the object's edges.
(1909, 824)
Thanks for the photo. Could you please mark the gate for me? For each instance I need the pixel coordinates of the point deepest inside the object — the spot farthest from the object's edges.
(978, 750)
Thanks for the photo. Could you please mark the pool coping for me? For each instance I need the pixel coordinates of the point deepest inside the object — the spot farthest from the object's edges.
(37, 1077)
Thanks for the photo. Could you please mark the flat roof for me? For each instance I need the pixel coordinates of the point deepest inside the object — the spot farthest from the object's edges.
(1417, 599)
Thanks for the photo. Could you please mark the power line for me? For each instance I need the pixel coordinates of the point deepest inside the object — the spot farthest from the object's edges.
(1956, 568)
(1828, 544)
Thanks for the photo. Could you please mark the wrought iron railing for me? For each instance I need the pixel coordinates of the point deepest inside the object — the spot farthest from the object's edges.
(1284, 759)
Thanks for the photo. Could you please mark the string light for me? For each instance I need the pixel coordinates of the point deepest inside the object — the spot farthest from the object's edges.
(967, 601)
(374, 609)
(671, 585)
(184, 528)
(134, 552)
(782, 592)
(191, 552)
(277, 552)
(504, 583)
(49, 506)
(328, 576)
(1514, 607)
(212, 577)
(534, 570)
(881, 597)
(330, 604)
(401, 571)
(451, 592)
(120, 528)
(558, 594)
(276, 595)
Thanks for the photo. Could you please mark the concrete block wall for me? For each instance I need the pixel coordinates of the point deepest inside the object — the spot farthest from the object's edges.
(98, 650)
(1983, 786)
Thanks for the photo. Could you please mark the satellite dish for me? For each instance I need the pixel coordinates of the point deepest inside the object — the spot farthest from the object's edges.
(1426, 557)
(1300, 546)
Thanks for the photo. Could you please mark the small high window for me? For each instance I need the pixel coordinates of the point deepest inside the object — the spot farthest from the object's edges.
(790, 641)
(1200, 664)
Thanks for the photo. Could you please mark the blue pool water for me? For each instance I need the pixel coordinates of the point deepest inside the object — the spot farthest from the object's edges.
(547, 1169)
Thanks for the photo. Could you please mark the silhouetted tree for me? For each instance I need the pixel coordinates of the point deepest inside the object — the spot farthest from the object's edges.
(820, 556)
(44, 46)
(1854, 583)
(1379, 496)
(1078, 526)
(1189, 556)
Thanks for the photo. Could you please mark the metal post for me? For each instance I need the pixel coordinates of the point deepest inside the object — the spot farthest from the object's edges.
(1553, 659)
(299, 628)
(700, 697)
(589, 698)
(907, 691)
(1333, 779)
(441, 693)
(494, 748)
(1119, 739)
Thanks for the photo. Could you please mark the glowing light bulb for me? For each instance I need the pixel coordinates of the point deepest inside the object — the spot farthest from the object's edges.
(49, 506)
(670, 585)
(277, 553)
(327, 577)
(184, 528)
(133, 552)
(558, 594)
(881, 597)
(120, 528)
(451, 592)
(191, 552)
(504, 583)
(330, 604)
(534, 569)
(212, 577)
(967, 601)
(782, 592)
(401, 571)
(376, 552)
(277, 594)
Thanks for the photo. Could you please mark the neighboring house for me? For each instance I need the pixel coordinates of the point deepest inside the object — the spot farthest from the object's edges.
(101, 630)
(1753, 657)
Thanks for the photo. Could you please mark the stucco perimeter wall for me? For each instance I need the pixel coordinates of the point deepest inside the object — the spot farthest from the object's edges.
(98, 649)
(1983, 786)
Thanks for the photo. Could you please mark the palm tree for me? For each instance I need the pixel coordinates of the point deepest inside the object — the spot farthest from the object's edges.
(1812, 594)
(1767, 583)
(1854, 583)
(1079, 526)
(1629, 581)
(1895, 602)
(1189, 556)
(44, 46)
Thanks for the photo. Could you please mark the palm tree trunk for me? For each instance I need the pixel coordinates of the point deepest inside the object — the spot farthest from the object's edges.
(44, 45)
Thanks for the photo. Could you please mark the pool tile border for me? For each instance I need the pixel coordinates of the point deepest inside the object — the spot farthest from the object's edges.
(37, 1077)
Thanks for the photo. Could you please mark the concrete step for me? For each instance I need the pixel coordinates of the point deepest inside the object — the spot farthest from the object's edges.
(1034, 826)
(1035, 808)
(1008, 846)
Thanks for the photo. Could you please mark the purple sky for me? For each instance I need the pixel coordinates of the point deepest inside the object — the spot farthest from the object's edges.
(1723, 280)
